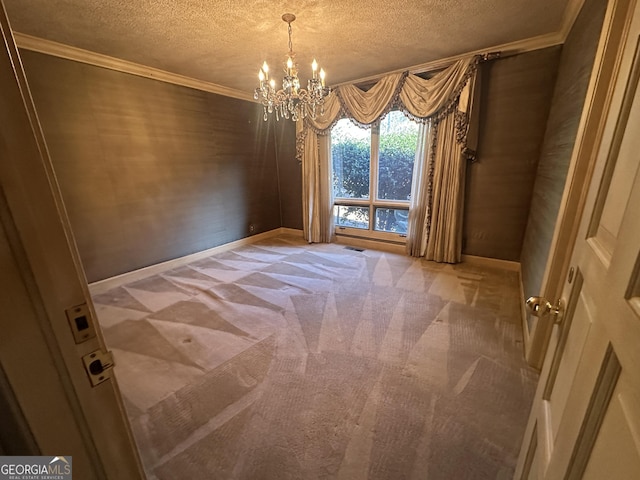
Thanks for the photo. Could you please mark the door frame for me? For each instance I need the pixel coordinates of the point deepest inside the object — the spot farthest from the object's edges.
(581, 167)
(611, 50)
(41, 278)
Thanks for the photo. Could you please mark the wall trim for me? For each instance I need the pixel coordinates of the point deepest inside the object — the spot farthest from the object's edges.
(570, 15)
(571, 12)
(41, 45)
(514, 267)
(48, 47)
(102, 286)
(492, 262)
(525, 319)
(505, 49)
(290, 231)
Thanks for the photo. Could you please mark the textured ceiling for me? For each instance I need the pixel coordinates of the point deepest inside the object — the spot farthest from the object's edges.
(225, 41)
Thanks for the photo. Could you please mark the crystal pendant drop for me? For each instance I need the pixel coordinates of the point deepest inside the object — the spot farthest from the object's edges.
(291, 101)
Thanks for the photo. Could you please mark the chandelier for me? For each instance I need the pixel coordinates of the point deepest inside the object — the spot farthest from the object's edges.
(291, 101)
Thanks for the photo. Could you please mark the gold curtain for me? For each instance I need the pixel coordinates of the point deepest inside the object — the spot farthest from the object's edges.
(419, 205)
(437, 203)
(443, 104)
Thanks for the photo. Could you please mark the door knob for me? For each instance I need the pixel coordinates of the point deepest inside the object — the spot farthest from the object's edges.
(540, 306)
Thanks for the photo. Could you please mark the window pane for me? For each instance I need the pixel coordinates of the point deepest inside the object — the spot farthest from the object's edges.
(392, 220)
(350, 151)
(355, 217)
(398, 143)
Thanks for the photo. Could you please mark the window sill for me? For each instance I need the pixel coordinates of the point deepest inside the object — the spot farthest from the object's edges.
(387, 237)
(370, 243)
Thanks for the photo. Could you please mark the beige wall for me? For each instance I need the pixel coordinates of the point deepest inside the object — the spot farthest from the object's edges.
(516, 95)
(151, 171)
(290, 175)
(515, 104)
(578, 54)
(39, 280)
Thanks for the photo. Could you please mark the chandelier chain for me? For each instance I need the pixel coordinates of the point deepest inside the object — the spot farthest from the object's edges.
(291, 101)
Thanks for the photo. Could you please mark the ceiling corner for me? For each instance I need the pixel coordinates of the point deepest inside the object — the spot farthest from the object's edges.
(570, 14)
(40, 45)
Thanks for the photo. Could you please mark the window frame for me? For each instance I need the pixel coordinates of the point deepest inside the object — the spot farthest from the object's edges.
(373, 202)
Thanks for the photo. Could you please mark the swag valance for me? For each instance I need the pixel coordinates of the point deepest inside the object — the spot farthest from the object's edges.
(443, 105)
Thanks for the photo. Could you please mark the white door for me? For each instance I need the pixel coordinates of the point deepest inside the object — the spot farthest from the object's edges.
(585, 419)
(589, 135)
(43, 299)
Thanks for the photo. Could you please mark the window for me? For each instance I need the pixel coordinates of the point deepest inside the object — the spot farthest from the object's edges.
(372, 174)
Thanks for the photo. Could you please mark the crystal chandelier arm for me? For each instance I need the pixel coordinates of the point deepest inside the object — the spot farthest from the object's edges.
(291, 101)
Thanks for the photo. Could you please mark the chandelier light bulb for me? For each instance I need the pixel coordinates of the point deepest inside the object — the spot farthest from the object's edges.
(291, 101)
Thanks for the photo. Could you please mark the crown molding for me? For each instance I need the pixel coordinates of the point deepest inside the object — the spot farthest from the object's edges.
(60, 50)
(570, 14)
(505, 50)
(55, 49)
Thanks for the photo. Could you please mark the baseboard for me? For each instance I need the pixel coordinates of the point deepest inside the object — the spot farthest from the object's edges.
(102, 286)
(515, 267)
(492, 262)
(290, 231)
(523, 316)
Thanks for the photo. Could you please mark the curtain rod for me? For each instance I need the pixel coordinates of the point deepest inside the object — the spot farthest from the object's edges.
(442, 64)
(430, 67)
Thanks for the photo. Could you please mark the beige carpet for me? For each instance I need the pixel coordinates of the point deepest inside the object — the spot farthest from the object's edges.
(283, 360)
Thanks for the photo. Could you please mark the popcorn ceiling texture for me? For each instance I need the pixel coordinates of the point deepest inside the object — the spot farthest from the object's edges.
(225, 42)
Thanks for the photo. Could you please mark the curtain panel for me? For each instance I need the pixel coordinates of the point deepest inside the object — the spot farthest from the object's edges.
(446, 106)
